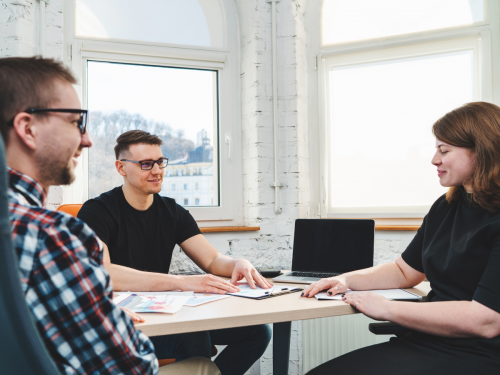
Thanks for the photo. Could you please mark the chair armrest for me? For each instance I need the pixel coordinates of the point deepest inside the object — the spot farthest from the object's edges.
(387, 328)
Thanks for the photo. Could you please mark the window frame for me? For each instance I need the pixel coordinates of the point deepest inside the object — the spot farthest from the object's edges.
(78, 51)
(486, 34)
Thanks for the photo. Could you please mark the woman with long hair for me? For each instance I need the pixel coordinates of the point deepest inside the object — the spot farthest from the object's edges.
(457, 329)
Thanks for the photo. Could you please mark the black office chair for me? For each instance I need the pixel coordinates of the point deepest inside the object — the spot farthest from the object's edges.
(387, 328)
(22, 350)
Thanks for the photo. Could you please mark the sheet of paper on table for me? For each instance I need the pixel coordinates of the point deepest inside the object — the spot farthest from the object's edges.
(153, 302)
(399, 294)
(247, 291)
(201, 298)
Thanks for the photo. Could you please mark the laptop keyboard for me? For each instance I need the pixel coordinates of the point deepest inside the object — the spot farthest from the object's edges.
(313, 274)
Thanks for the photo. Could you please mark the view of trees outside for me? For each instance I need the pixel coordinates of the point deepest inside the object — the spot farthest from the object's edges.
(176, 104)
(106, 127)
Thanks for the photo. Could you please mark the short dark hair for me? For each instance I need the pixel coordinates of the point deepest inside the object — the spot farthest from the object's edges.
(28, 82)
(132, 137)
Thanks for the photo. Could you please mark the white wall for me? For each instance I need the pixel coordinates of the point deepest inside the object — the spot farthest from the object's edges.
(272, 245)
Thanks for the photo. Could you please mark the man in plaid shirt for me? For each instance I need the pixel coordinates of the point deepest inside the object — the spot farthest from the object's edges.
(60, 258)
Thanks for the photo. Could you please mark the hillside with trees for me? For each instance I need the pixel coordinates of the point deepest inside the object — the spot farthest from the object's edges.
(104, 128)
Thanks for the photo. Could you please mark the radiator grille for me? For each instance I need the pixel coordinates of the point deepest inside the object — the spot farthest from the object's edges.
(327, 338)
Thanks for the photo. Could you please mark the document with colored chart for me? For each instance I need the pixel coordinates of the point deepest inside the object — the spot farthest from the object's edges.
(143, 302)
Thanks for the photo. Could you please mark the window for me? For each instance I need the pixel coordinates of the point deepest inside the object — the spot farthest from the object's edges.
(170, 68)
(345, 21)
(185, 186)
(186, 202)
(158, 99)
(196, 201)
(174, 22)
(388, 70)
(196, 186)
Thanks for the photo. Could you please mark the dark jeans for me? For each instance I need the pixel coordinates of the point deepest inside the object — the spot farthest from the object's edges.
(245, 345)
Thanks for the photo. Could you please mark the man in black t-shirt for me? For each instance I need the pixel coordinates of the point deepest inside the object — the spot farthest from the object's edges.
(140, 229)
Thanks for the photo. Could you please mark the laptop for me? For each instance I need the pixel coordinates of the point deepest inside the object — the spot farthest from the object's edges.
(329, 247)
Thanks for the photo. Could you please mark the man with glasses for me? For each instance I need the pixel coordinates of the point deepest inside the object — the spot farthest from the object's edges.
(140, 229)
(60, 258)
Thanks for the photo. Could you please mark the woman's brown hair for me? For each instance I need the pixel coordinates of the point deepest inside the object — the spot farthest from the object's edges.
(475, 126)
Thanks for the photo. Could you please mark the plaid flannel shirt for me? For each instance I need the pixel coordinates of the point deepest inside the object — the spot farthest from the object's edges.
(68, 290)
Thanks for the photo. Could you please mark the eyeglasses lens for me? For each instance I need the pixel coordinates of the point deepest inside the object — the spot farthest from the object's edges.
(82, 125)
(149, 164)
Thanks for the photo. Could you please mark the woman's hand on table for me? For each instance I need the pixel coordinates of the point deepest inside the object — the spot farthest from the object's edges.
(333, 285)
(372, 305)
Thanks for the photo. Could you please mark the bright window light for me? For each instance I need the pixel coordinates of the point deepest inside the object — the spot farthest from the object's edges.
(178, 105)
(381, 115)
(355, 20)
(187, 22)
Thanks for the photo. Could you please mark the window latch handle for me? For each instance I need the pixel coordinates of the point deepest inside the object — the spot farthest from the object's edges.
(227, 140)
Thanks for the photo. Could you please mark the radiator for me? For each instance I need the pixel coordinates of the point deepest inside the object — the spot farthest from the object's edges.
(326, 338)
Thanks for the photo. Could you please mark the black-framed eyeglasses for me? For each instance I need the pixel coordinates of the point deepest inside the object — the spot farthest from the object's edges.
(147, 165)
(82, 121)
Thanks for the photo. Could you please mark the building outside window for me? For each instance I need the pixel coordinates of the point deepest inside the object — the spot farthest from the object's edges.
(201, 161)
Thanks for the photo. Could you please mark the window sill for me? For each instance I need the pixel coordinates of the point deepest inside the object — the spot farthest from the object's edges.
(227, 229)
(397, 227)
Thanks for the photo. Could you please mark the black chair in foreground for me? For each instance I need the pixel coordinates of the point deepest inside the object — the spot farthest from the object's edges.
(22, 350)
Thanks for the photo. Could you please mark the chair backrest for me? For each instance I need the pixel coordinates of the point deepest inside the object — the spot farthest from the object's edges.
(22, 350)
(71, 209)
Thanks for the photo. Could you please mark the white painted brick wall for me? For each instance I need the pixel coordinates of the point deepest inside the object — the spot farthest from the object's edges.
(272, 245)
(19, 26)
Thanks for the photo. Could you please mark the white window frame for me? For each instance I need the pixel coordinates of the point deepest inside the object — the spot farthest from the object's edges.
(483, 37)
(78, 51)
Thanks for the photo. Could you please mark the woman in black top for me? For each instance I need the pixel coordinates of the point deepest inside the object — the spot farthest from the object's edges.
(458, 249)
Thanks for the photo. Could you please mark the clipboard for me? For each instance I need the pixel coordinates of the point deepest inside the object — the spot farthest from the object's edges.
(259, 293)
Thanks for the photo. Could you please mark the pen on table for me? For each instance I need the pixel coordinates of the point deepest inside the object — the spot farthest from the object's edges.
(281, 290)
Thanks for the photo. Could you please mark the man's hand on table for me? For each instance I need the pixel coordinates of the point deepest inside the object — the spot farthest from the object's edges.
(207, 284)
(244, 269)
(135, 317)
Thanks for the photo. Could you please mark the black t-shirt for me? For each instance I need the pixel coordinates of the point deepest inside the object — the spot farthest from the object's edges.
(143, 240)
(458, 249)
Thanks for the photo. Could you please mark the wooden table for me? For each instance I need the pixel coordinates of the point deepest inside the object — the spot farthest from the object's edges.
(239, 312)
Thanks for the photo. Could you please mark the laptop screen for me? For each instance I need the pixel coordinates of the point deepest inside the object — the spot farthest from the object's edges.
(333, 245)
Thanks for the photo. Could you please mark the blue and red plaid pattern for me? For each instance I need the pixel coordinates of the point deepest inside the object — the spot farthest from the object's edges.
(68, 290)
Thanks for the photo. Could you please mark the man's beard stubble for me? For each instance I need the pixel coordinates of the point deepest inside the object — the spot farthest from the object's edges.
(55, 172)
